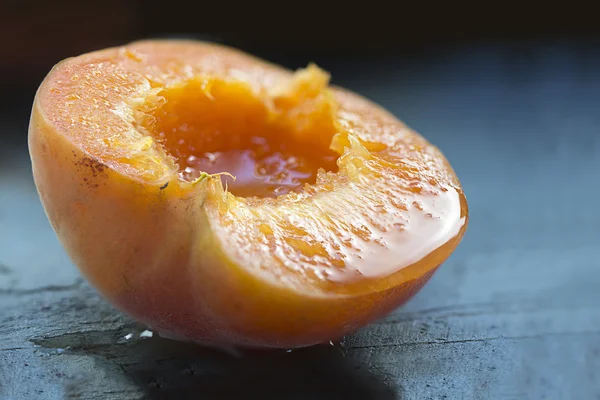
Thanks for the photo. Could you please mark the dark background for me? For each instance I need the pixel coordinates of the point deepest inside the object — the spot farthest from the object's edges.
(511, 96)
(34, 35)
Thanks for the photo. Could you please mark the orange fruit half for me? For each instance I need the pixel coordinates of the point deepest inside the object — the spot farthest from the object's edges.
(338, 212)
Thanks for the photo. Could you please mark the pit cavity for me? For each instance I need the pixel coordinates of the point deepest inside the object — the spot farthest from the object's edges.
(272, 145)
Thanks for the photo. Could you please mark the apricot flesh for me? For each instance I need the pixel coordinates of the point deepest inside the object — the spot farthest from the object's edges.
(339, 213)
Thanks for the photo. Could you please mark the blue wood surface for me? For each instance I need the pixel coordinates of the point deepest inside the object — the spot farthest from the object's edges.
(513, 314)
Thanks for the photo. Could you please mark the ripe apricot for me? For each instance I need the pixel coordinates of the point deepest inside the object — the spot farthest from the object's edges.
(339, 212)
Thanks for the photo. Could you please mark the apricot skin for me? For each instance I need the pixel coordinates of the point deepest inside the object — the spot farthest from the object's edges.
(149, 250)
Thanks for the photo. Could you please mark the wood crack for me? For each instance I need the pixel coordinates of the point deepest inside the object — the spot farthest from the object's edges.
(43, 289)
(486, 339)
(469, 310)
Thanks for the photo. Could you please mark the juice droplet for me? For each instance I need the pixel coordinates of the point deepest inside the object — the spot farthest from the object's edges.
(146, 334)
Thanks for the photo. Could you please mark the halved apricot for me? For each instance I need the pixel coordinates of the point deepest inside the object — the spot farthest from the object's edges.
(339, 212)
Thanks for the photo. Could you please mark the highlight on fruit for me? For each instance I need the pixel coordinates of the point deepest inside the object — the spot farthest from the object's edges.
(338, 212)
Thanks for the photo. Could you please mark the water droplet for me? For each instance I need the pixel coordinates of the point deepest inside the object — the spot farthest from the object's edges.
(61, 350)
(146, 334)
(212, 157)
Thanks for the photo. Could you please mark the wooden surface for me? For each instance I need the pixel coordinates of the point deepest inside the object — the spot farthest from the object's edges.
(514, 313)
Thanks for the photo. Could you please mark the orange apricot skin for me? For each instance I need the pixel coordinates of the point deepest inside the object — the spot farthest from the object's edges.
(149, 251)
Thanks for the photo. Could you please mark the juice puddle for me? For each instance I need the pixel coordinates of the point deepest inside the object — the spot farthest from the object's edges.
(262, 170)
